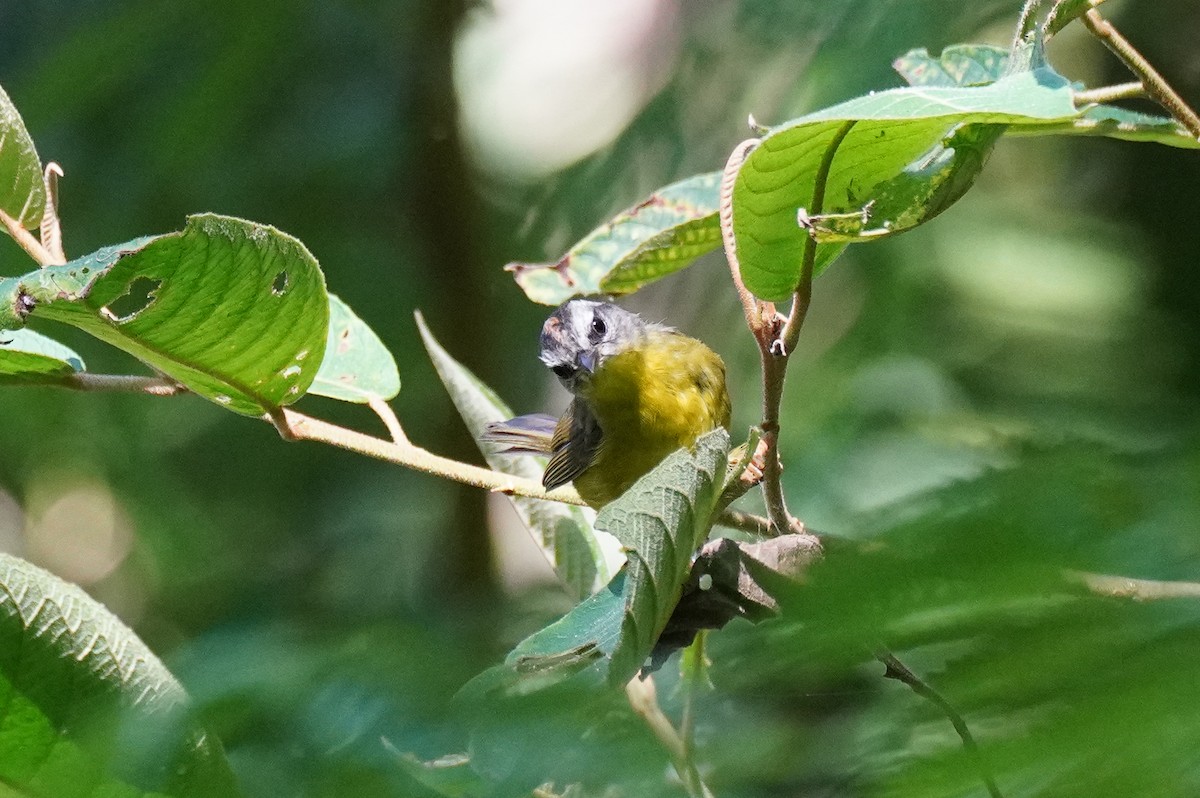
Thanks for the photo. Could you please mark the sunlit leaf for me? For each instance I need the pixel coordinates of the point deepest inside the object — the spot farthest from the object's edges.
(29, 357)
(659, 236)
(22, 194)
(958, 65)
(235, 311)
(1066, 11)
(1112, 122)
(562, 530)
(909, 154)
(85, 708)
(661, 521)
(357, 367)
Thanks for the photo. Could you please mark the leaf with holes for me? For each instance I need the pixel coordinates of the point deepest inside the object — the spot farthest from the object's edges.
(357, 367)
(907, 155)
(235, 311)
(27, 357)
(85, 708)
(562, 531)
(659, 236)
(958, 65)
(22, 194)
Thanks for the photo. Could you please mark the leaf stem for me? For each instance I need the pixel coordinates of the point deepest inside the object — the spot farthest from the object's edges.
(1156, 86)
(1134, 90)
(388, 417)
(895, 669)
(1134, 589)
(775, 354)
(644, 702)
(27, 241)
(694, 663)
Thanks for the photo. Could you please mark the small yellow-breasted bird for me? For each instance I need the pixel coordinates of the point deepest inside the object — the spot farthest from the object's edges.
(642, 390)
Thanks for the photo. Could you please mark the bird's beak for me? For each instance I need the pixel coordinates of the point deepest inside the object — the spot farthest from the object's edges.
(587, 361)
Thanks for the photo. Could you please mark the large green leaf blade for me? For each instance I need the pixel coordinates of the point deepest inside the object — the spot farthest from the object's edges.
(235, 311)
(908, 155)
(657, 237)
(85, 708)
(357, 367)
(563, 531)
(22, 193)
(661, 521)
(1110, 121)
(975, 64)
(27, 357)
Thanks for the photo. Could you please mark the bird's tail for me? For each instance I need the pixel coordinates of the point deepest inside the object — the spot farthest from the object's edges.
(529, 434)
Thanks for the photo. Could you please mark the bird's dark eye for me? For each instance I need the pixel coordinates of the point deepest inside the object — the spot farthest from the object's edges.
(598, 326)
(563, 371)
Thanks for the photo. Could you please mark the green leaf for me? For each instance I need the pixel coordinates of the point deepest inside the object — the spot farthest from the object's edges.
(910, 154)
(22, 193)
(659, 236)
(85, 708)
(1065, 11)
(958, 65)
(661, 521)
(1112, 122)
(357, 367)
(29, 357)
(235, 311)
(562, 530)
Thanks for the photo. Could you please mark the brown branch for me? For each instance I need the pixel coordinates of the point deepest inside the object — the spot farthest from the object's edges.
(27, 241)
(1156, 86)
(1107, 94)
(123, 383)
(297, 426)
(895, 669)
(1134, 589)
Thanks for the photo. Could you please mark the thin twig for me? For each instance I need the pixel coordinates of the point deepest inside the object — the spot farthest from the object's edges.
(26, 240)
(388, 417)
(123, 383)
(1134, 589)
(1156, 86)
(895, 669)
(775, 354)
(298, 426)
(1134, 90)
(644, 702)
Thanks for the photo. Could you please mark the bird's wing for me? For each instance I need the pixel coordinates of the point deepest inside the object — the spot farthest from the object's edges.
(532, 434)
(573, 447)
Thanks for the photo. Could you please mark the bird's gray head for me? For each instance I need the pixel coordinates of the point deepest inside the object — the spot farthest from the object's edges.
(582, 334)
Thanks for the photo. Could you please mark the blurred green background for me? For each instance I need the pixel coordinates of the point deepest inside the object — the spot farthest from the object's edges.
(1006, 391)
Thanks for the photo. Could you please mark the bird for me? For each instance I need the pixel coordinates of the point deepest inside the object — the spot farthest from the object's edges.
(640, 391)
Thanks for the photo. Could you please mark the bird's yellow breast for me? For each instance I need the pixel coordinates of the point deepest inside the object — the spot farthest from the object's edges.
(650, 400)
